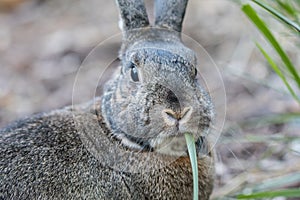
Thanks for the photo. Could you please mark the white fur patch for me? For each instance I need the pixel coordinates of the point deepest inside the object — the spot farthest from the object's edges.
(121, 25)
(125, 141)
(174, 146)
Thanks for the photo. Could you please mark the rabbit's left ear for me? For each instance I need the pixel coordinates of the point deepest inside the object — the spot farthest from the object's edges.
(170, 13)
(133, 14)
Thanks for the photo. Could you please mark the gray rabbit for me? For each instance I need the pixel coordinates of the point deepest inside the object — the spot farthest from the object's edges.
(129, 143)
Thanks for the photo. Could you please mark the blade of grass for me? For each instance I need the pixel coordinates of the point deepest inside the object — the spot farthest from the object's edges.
(193, 158)
(277, 182)
(278, 72)
(271, 194)
(252, 15)
(296, 5)
(278, 15)
(287, 7)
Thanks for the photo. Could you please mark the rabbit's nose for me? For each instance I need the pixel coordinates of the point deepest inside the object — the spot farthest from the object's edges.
(172, 118)
(172, 97)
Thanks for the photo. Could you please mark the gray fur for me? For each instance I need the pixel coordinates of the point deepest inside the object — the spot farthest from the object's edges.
(133, 14)
(43, 157)
(114, 146)
(170, 13)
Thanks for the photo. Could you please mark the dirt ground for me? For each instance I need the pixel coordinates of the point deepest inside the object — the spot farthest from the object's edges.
(44, 43)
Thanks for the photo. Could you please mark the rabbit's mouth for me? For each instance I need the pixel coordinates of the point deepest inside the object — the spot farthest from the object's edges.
(172, 145)
(176, 146)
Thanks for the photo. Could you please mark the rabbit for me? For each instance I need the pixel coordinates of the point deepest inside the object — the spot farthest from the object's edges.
(129, 142)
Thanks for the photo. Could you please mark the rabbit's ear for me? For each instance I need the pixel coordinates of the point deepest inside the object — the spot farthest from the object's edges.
(170, 13)
(133, 14)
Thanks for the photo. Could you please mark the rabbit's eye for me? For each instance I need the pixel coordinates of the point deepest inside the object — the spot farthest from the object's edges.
(134, 73)
(196, 72)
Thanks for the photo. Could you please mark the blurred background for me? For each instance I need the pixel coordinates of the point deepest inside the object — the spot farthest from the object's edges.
(43, 43)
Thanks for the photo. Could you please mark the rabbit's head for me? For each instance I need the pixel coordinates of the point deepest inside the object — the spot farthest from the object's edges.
(156, 98)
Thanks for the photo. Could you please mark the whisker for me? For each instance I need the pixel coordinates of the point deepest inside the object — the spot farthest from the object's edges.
(234, 155)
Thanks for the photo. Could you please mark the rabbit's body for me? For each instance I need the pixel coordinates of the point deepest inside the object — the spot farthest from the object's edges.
(129, 143)
(43, 157)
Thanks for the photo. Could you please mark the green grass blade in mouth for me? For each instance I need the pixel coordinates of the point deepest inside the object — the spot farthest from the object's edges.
(190, 141)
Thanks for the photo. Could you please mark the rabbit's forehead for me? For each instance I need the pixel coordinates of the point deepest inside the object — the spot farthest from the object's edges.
(154, 59)
(162, 55)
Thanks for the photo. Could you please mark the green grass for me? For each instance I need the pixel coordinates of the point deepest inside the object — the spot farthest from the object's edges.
(190, 142)
(272, 194)
(276, 69)
(287, 7)
(267, 33)
(269, 188)
(286, 12)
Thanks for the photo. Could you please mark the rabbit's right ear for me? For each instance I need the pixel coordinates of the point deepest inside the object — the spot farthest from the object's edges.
(170, 13)
(133, 14)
